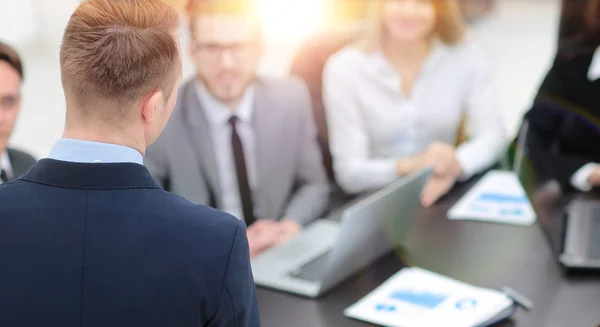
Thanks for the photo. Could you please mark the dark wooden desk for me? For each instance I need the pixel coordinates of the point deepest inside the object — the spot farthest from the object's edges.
(487, 255)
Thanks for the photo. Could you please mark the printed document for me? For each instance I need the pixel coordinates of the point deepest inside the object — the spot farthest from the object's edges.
(498, 197)
(415, 297)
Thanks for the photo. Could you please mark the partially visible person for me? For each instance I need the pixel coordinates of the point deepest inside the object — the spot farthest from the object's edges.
(563, 126)
(13, 163)
(396, 99)
(240, 143)
(89, 238)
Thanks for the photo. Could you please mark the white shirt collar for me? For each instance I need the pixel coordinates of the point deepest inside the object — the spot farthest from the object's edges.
(380, 63)
(81, 151)
(5, 164)
(218, 114)
(594, 69)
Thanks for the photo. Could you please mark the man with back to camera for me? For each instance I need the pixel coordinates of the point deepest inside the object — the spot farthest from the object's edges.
(88, 238)
(13, 163)
(243, 144)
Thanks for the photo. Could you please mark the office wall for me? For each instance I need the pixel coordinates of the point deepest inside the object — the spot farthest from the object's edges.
(16, 20)
(519, 37)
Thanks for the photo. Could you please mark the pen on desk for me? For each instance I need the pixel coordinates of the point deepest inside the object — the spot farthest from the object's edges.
(519, 299)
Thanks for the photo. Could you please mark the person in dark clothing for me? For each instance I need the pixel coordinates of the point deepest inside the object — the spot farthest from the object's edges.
(13, 163)
(563, 125)
(88, 236)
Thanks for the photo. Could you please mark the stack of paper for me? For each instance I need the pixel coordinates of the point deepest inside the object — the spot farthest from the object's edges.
(415, 297)
(498, 197)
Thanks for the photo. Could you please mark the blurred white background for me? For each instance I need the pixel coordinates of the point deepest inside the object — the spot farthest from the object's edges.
(520, 37)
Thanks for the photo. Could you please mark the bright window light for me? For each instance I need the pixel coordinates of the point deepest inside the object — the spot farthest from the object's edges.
(294, 19)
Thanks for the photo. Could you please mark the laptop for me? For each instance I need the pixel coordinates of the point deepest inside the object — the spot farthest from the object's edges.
(570, 222)
(327, 252)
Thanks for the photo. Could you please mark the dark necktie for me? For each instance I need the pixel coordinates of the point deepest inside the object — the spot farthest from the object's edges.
(242, 173)
(3, 176)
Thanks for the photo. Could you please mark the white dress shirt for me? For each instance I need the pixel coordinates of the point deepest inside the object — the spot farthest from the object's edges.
(5, 165)
(218, 116)
(579, 180)
(372, 124)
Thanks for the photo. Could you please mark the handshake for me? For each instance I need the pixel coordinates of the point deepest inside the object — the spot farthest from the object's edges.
(446, 170)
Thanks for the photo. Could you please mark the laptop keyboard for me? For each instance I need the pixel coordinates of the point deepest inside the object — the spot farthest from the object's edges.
(313, 270)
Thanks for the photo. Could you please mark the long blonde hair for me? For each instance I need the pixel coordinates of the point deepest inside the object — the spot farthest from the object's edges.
(450, 26)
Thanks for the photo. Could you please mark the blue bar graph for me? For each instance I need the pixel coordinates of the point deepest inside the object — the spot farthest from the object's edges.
(502, 198)
(422, 299)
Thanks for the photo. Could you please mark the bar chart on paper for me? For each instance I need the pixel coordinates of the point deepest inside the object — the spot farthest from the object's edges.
(422, 299)
(498, 197)
(415, 297)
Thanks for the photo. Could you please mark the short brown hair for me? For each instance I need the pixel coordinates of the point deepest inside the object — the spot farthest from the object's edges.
(120, 50)
(10, 56)
(450, 26)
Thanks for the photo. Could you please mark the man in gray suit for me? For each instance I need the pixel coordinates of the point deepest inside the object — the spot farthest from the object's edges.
(239, 143)
(13, 163)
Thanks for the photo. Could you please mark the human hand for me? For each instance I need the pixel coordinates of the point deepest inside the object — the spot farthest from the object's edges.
(443, 159)
(436, 187)
(262, 235)
(440, 156)
(288, 229)
(594, 177)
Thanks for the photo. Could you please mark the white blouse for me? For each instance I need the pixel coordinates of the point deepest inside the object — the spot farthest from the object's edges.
(372, 124)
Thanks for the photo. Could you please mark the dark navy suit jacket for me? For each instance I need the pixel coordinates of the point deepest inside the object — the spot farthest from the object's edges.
(104, 245)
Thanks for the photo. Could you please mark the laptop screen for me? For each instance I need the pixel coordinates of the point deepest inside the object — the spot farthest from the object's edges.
(543, 191)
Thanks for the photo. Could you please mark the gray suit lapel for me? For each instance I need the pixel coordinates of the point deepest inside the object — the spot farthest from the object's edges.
(197, 129)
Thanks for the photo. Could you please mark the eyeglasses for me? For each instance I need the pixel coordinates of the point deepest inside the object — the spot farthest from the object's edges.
(214, 52)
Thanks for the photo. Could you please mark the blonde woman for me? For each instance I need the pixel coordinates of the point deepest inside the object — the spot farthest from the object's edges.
(395, 100)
